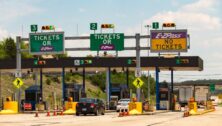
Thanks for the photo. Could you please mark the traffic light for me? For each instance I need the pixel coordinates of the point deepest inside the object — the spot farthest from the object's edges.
(131, 61)
(169, 25)
(39, 62)
(48, 27)
(87, 61)
(178, 61)
(107, 26)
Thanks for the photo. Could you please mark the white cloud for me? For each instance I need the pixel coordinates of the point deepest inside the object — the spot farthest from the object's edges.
(200, 6)
(13, 9)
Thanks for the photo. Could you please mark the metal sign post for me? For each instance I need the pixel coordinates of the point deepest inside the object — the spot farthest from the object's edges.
(18, 66)
(138, 62)
(108, 87)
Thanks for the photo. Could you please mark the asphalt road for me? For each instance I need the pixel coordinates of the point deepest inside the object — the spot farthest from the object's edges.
(112, 119)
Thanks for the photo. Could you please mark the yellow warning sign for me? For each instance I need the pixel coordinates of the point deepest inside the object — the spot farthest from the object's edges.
(18, 82)
(138, 83)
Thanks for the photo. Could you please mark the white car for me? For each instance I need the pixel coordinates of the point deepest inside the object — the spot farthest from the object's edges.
(123, 104)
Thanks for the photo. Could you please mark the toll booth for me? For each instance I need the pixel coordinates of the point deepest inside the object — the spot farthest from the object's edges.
(164, 96)
(32, 97)
(120, 90)
(74, 91)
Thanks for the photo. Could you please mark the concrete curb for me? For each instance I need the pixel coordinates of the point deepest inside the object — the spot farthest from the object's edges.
(151, 113)
(203, 112)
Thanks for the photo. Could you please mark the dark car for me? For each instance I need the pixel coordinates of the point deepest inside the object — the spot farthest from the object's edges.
(90, 106)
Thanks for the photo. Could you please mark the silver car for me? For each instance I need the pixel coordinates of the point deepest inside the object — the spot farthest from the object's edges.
(123, 104)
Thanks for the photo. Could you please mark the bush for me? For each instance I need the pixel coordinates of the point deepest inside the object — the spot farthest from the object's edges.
(48, 81)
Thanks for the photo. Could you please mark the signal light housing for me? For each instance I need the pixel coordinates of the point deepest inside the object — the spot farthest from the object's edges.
(48, 27)
(87, 61)
(39, 62)
(131, 61)
(107, 26)
(169, 25)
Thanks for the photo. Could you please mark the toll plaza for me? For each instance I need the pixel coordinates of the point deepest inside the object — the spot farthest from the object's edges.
(158, 64)
(159, 41)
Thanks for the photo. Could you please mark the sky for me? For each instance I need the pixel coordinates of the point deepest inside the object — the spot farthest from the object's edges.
(202, 19)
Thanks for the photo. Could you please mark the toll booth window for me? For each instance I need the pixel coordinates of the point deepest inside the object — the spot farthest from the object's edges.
(30, 96)
(163, 96)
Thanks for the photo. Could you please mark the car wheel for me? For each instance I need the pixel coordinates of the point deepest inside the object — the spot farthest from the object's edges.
(103, 112)
(77, 114)
(97, 112)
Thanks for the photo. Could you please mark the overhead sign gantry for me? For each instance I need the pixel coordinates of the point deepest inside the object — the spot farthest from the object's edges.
(174, 40)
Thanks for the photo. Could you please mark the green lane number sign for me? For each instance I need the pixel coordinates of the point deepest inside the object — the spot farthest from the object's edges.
(34, 28)
(93, 26)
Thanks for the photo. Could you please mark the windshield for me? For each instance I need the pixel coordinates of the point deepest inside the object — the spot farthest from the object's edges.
(124, 100)
(87, 100)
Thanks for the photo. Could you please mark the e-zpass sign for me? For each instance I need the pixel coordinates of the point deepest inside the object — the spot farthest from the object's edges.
(168, 41)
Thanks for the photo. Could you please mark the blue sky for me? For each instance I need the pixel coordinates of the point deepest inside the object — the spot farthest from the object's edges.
(202, 18)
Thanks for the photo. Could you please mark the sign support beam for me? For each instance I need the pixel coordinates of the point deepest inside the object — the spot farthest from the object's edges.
(108, 87)
(171, 91)
(18, 67)
(157, 89)
(41, 83)
(63, 85)
(138, 62)
(83, 81)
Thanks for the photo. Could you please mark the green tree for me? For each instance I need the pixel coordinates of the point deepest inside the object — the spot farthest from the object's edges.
(2, 51)
(99, 80)
(25, 54)
(9, 48)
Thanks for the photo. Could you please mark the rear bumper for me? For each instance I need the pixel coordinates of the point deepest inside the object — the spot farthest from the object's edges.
(121, 108)
(87, 111)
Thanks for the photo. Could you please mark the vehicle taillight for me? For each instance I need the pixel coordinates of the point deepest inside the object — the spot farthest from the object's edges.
(92, 105)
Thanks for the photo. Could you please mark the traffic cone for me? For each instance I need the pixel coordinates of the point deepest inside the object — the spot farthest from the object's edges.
(48, 112)
(36, 113)
(55, 113)
(61, 113)
(126, 112)
(186, 112)
(120, 113)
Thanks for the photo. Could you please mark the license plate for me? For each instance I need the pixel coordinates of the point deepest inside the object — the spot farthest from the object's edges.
(84, 109)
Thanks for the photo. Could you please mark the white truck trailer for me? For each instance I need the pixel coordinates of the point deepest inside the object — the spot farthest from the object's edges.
(185, 93)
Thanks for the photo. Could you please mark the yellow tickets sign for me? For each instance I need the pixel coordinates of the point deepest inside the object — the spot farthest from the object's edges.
(168, 40)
